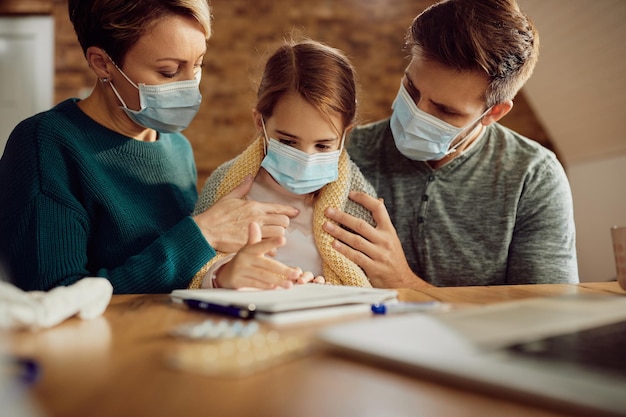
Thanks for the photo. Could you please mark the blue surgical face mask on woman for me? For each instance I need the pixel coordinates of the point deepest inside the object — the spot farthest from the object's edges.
(420, 136)
(297, 171)
(166, 108)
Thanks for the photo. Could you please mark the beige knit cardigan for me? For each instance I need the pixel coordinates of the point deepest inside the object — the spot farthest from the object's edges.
(337, 269)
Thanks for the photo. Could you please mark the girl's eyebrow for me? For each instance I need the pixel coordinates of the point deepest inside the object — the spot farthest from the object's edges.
(292, 136)
(282, 132)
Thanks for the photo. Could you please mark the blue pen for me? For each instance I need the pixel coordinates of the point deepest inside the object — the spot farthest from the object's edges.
(24, 370)
(409, 307)
(233, 311)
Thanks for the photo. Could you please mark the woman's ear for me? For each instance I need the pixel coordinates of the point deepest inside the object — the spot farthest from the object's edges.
(98, 61)
(497, 112)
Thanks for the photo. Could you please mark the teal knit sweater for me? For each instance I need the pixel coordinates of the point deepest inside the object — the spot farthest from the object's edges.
(77, 199)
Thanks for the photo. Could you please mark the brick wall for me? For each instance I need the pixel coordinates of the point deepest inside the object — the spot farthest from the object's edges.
(245, 31)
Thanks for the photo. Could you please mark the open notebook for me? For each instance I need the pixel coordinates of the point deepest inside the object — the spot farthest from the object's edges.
(284, 306)
(567, 353)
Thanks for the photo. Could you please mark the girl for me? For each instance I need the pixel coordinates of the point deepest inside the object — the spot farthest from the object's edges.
(306, 105)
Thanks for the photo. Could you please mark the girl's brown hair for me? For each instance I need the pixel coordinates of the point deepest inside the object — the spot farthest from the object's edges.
(320, 74)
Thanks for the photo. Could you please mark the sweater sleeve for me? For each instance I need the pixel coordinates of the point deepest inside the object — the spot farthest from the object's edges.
(167, 263)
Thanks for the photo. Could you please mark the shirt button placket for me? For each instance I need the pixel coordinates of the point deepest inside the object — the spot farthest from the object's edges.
(425, 197)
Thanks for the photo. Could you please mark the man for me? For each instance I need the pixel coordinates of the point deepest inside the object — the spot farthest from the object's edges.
(473, 203)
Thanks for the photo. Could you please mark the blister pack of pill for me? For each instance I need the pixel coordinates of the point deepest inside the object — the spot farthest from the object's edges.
(233, 350)
(216, 330)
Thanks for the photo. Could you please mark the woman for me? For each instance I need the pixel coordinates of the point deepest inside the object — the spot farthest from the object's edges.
(105, 186)
(306, 105)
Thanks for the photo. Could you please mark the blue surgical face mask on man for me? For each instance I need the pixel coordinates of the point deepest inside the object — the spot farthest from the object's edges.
(166, 108)
(297, 171)
(420, 136)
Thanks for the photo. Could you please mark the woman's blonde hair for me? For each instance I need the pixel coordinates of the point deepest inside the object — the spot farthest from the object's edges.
(116, 25)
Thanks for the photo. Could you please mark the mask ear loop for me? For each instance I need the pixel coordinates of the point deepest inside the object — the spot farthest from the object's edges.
(343, 141)
(265, 137)
(455, 147)
(118, 95)
(121, 72)
(125, 76)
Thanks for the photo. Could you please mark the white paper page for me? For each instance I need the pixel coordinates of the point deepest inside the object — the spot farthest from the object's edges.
(315, 314)
(297, 297)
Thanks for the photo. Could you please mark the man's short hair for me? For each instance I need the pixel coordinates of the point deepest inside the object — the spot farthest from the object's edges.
(492, 37)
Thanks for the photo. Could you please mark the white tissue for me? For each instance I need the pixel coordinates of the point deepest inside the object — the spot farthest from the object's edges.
(88, 298)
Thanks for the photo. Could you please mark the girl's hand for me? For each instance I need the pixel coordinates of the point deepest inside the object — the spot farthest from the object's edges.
(307, 277)
(252, 267)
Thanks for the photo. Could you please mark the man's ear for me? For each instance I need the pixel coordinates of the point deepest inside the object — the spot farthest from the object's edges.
(99, 62)
(497, 112)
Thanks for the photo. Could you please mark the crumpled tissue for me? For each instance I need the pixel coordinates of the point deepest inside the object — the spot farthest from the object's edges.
(20, 309)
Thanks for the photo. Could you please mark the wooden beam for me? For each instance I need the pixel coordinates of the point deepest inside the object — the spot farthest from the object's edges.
(25, 7)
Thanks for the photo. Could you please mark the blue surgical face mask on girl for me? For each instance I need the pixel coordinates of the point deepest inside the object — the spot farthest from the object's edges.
(297, 171)
(166, 108)
(420, 136)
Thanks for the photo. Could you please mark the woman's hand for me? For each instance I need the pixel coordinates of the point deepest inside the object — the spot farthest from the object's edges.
(225, 224)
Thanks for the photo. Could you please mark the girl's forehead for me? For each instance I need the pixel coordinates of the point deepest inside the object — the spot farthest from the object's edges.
(294, 115)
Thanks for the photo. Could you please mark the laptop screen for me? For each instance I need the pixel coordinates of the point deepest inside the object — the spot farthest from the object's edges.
(603, 348)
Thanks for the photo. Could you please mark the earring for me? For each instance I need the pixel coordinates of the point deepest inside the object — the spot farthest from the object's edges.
(104, 80)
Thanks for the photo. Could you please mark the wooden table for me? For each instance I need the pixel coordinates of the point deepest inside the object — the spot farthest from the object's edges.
(115, 366)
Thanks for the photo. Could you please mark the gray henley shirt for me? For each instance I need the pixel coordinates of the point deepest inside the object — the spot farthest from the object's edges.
(499, 213)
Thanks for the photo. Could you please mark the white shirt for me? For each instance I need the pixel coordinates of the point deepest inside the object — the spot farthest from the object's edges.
(300, 249)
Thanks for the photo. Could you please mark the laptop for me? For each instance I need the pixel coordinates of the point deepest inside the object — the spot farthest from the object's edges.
(567, 353)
